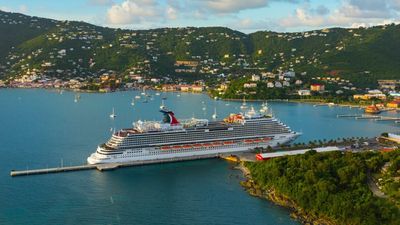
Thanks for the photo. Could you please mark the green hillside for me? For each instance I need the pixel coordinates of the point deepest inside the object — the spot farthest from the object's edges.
(69, 49)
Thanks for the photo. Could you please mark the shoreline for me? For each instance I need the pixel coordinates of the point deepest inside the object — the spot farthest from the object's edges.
(297, 213)
(313, 102)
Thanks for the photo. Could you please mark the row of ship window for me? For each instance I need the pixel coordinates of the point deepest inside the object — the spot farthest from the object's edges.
(175, 139)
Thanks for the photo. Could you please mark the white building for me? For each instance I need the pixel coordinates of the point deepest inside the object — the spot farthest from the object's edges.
(278, 84)
(286, 83)
(298, 82)
(255, 77)
(289, 74)
(304, 92)
(250, 85)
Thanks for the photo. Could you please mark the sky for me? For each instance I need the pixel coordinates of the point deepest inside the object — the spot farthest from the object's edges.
(243, 15)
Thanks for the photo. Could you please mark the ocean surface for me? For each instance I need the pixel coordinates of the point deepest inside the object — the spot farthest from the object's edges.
(43, 128)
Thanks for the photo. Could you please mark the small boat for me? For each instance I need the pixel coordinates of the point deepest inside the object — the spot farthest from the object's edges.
(217, 143)
(162, 106)
(164, 98)
(178, 95)
(372, 109)
(145, 101)
(197, 145)
(143, 93)
(264, 107)
(244, 105)
(113, 115)
(214, 116)
(157, 93)
(77, 97)
(137, 97)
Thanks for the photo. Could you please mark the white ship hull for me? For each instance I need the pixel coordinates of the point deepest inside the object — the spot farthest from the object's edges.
(156, 154)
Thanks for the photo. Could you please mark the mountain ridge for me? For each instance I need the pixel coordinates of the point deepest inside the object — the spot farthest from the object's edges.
(82, 49)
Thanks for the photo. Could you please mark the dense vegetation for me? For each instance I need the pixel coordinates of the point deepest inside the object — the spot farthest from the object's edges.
(332, 185)
(361, 55)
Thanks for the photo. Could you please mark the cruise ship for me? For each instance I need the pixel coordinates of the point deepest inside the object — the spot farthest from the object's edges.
(174, 139)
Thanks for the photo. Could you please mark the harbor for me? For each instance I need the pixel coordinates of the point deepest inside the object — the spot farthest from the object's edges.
(124, 191)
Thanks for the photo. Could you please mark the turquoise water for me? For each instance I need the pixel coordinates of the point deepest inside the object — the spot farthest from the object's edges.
(40, 128)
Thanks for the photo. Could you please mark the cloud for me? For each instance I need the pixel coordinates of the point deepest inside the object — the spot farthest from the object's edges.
(321, 10)
(23, 9)
(232, 6)
(5, 9)
(144, 11)
(351, 13)
(131, 11)
(171, 13)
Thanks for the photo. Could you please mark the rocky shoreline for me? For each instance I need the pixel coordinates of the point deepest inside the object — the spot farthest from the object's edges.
(272, 195)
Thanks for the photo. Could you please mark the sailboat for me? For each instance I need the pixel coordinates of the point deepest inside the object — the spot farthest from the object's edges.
(215, 116)
(244, 105)
(77, 97)
(113, 115)
(162, 106)
(264, 107)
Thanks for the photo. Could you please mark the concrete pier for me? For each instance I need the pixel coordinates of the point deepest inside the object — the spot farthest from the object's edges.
(367, 117)
(105, 167)
(348, 115)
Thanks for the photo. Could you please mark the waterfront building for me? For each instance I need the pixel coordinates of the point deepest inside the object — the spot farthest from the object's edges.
(317, 87)
(393, 104)
(304, 92)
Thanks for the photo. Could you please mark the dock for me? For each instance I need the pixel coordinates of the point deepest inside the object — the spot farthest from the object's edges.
(105, 167)
(370, 117)
(348, 115)
(364, 117)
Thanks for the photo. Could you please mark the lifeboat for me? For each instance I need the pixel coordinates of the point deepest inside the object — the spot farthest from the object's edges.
(248, 141)
(216, 143)
(228, 142)
(207, 145)
(266, 139)
(197, 145)
(165, 147)
(176, 147)
(257, 140)
(187, 146)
